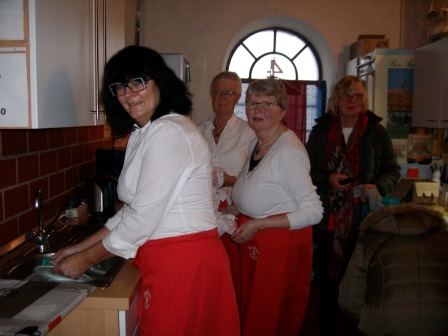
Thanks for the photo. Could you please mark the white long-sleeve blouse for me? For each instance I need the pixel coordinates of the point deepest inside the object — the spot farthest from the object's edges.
(165, 185)
(279, 184)
(230, 152)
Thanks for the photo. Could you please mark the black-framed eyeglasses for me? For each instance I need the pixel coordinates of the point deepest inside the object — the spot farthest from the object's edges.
(357, 97)
(264, 105)
(134, 84)
(223, 93)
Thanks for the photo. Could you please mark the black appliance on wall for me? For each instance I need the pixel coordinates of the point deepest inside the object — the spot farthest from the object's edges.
(102, 188)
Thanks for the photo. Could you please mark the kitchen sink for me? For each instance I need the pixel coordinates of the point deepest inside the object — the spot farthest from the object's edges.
(37, 268)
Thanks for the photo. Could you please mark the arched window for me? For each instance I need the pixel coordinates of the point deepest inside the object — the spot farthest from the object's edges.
(286, 55)
(275, 52)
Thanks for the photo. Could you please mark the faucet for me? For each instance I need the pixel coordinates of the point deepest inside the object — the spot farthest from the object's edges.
(40, 237)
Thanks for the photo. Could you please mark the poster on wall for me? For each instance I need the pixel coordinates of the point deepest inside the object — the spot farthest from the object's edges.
(400, 84)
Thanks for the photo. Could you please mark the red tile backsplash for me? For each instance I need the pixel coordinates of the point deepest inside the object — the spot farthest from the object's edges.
(64, 158)
(14, 143)
(71, 136)
(16, 200)
(58, 161)
(48, 162)
(56, 138)
(96, 133)
(38, 140)
(9, 231)
(28, 167)
(28, 220)
(71, 178)
(83, 134)
(77, 154)
(8, 177)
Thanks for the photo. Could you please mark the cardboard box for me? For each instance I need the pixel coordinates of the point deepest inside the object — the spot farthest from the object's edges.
(416, 191)
(367, 44)
(426, 192)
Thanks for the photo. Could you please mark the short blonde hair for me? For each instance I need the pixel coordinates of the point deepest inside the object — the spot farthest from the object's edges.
(341, 88)
(269, 87)
(228, 75)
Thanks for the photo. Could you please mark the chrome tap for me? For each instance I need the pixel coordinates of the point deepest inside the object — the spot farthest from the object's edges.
(40, 237)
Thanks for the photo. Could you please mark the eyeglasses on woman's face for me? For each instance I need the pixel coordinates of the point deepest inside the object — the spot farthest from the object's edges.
(135, 85)
(357, 97)
(223, 93)
(264, 105)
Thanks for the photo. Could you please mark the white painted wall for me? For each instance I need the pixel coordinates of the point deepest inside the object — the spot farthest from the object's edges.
(205, 31)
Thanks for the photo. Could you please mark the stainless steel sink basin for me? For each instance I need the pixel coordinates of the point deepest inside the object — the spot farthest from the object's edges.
(22, 268)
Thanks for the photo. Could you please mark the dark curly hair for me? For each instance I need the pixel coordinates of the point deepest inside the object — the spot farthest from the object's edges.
(135, 62)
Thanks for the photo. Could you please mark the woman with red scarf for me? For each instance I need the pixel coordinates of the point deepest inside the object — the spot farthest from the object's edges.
(348, 142)
(277, 204)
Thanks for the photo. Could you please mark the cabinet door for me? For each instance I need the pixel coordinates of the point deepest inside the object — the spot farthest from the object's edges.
(430, 86)
(59, 63)
(107, 39)
(12, 20)
(14, 101)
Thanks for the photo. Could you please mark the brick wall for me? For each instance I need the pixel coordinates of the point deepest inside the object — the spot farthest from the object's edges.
(58, 161)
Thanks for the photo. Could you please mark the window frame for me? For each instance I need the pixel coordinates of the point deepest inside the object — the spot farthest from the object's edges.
(307, 44)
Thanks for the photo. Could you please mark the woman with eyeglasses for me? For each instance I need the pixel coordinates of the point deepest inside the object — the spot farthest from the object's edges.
(227, 136)
(276, 204)
(167, 223)
(351, 157)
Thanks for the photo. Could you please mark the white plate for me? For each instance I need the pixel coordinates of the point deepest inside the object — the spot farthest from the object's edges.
(46, 273)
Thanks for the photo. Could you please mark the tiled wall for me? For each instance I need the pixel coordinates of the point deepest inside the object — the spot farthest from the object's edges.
(58, 161)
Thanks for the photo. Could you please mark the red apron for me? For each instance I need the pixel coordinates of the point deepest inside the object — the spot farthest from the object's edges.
(233, 252)
(275, 277)
(186, 287)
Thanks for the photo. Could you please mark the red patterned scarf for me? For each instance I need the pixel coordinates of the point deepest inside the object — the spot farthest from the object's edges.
(343, 158)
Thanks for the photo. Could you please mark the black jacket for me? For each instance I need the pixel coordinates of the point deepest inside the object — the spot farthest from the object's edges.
(378, 162)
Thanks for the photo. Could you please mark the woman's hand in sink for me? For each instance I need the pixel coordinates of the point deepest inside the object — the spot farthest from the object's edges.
(64, 253)
(74, 260)
(72, 266)
(61, 261)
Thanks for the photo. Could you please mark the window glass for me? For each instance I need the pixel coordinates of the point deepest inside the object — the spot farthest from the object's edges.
(260, 43)
(307, 66)
(241, 62)
(288, 44)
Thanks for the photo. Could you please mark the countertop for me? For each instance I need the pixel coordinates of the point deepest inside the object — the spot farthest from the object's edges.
(119, 294)
(105, 310)
(39, 305)
(117, 297)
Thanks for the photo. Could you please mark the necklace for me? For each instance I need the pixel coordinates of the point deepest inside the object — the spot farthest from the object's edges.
(258, 148)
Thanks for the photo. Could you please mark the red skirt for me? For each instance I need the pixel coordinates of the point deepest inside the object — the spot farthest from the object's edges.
(233, 252)
(186, 287)
(274, 281)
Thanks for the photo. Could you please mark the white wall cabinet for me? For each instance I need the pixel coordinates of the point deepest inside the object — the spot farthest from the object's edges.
(431, 86)
(12, 20)
(13, 87)
(63, 39)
